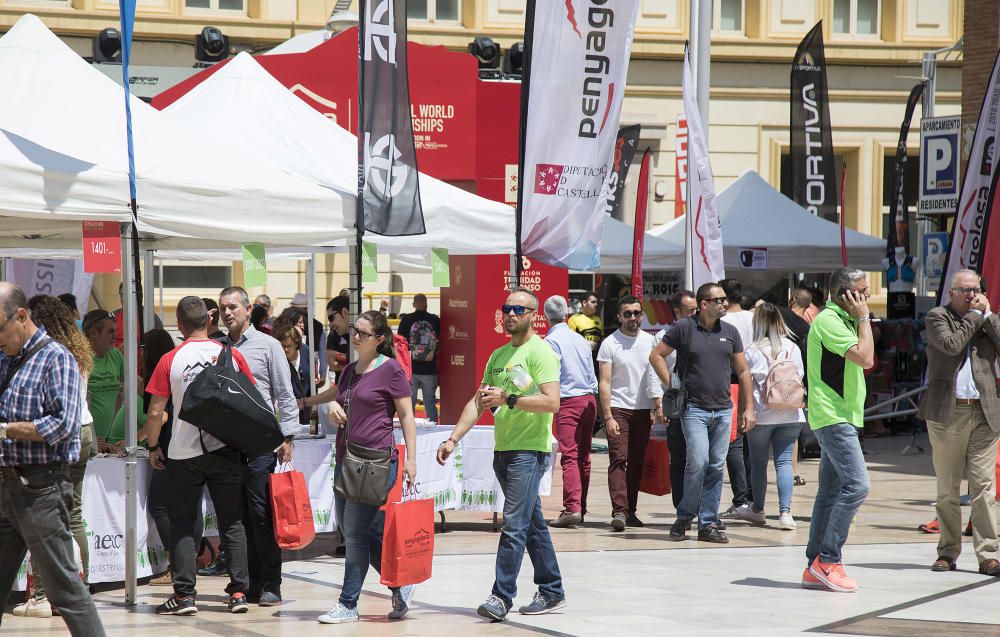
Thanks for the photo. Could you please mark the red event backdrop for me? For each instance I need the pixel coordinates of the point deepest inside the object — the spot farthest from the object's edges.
(472, 321)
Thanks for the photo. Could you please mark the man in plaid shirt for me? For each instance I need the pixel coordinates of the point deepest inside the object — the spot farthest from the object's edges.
(41, 398)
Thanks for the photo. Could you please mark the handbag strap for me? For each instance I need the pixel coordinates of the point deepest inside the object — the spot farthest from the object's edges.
(16, 365)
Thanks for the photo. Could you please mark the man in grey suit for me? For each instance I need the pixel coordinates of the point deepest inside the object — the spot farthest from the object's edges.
(962, 410)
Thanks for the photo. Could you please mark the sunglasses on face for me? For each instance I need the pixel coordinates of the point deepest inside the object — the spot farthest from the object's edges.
(632, 314)
(516, 309)
(720, 300)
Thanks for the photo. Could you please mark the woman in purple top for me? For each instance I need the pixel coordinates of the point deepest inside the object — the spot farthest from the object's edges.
(373, 389)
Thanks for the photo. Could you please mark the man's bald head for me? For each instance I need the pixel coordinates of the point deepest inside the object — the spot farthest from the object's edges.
(420, 302)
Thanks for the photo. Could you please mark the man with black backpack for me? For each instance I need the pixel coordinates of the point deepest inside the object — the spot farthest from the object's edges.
(197, 459)
(423, 330)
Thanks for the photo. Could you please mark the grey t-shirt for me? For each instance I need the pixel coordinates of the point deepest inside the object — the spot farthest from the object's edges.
(709, 365)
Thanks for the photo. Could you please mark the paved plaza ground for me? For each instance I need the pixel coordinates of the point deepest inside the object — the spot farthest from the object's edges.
(633, 583)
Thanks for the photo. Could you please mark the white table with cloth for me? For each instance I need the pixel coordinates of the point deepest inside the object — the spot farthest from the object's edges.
(466, 482)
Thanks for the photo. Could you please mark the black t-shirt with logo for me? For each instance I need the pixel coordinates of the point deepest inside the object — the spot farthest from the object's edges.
(709, 363)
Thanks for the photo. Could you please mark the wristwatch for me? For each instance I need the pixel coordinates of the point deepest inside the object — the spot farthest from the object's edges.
(511, 399)
(3, 430)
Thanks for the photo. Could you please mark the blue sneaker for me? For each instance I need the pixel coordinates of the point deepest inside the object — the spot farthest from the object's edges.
(493, 608)
(401, 601)
(339, 615)
(541, 604)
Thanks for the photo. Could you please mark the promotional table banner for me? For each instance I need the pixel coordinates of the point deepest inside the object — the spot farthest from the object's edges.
(813, 179)
(576, 62)
(967, 248)
(389, 189)
(614, 187)
(705, 228)
(639, 234)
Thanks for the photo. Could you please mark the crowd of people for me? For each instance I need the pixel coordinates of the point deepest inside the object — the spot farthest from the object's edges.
(734, 382)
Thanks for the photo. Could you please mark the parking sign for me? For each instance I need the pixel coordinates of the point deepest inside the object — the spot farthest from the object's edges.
(939, 157)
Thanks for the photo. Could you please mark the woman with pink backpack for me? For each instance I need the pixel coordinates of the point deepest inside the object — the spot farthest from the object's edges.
(779, 394)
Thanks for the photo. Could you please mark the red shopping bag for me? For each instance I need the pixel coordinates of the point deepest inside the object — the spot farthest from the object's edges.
(656, 469)
(292, 511)
(408, 542)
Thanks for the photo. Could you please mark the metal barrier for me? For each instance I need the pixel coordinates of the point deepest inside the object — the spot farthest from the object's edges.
(911, 398)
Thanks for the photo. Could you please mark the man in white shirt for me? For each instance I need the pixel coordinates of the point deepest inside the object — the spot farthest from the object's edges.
(624, 369)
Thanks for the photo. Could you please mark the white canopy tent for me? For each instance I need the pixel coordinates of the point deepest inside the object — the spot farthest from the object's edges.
(62, 154)
(755, 215)
(245, 109)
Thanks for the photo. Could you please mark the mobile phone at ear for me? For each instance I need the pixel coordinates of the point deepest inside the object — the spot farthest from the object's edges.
(842, 292)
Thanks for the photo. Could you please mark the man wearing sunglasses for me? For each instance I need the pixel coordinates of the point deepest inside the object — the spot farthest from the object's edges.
(338, 312)
(709, 351)
(623, 380)
(521, 386)
(962, 411)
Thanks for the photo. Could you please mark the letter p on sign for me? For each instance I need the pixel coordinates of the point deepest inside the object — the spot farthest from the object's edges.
(938, 160)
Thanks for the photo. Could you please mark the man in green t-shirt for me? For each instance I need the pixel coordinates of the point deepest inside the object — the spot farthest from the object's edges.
(841, 347)
(104, 387)
(521, 387)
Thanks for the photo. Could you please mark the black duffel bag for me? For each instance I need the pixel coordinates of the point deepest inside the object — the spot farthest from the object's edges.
(223, 402)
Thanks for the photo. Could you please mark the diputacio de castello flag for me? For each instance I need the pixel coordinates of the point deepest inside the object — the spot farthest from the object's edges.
(576, 61)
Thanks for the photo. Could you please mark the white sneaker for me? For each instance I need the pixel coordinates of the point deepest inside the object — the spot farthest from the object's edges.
(786, 522)
(339, 615)
(753, 517)
(34, 607)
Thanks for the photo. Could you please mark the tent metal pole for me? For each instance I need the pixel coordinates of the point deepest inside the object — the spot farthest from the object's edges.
(130, 325)
(149, 307)
(310, 314)
(162, 312)
(354, 276)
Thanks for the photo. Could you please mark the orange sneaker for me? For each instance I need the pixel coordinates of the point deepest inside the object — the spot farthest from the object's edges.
(809, 581)
(833, 576)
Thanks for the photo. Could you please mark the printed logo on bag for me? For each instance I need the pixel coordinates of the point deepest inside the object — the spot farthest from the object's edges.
(418, 543)
(386, 174)
(424, 340)
(379, 30)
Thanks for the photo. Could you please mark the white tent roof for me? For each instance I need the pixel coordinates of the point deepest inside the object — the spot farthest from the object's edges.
(63, 159)
(616, 253)
(246, 109)
(755, 215)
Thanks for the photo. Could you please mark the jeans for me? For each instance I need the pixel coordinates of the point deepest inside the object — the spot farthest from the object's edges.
(427, 384)
(35, 501)
(778, 440)
(362, 526)
(678, 457)
(222, 472)
(524, 528)
(575, 431)
(706, 433)
(736, 467)
(76, 524)
(627, 453)
(843, 486)
(263, 553)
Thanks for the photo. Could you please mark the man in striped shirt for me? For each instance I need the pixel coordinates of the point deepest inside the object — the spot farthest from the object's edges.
(41, 397)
